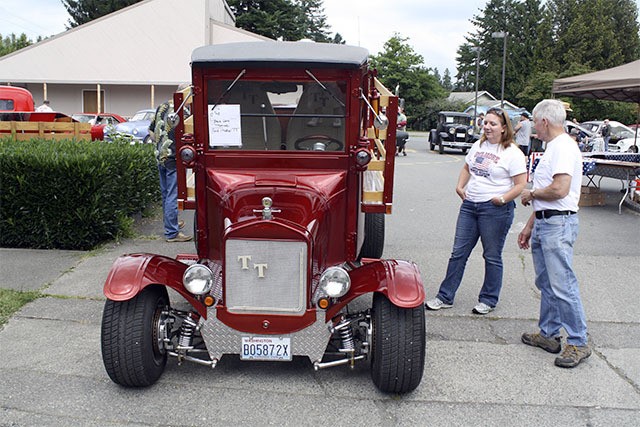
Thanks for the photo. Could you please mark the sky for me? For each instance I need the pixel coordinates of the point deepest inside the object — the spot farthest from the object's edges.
(434, 28)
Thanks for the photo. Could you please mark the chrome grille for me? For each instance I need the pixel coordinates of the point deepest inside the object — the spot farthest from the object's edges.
(266, 276)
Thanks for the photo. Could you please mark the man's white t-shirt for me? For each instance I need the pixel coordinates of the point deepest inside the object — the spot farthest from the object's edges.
(492, 168)
(562, 156)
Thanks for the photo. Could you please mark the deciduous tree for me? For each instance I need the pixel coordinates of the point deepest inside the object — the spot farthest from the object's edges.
(400, 66)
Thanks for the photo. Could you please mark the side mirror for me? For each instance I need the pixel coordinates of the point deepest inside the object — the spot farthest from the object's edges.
(381, 121)
(173, 119)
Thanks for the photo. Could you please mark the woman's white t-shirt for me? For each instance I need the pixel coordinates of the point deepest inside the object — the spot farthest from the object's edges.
(492, 168)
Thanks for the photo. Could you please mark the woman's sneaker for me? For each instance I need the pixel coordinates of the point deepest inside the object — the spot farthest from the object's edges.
(436, 304)
(482, 308)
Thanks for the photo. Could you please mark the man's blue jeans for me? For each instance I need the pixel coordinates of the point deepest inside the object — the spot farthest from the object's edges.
(552, 242)
(490, 224)
(169, 190)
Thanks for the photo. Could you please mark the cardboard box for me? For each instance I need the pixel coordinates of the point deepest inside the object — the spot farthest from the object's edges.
(585, 189)
(592, 199)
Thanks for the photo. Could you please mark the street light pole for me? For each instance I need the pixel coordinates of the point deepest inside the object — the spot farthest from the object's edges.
(502, 35)
(476, 49)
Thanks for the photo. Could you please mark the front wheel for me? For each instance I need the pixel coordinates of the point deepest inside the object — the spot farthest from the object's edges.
(398, 346)
(132, 349)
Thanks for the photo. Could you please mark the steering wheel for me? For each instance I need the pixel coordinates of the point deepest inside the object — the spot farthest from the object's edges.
(308, 142)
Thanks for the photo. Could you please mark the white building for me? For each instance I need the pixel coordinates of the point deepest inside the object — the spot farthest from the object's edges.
(123, 62)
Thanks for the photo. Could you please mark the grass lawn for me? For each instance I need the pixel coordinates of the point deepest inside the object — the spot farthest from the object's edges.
(11, 301)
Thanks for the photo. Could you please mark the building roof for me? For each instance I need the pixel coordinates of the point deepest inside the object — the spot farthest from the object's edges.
(470, 97)
(146, 43)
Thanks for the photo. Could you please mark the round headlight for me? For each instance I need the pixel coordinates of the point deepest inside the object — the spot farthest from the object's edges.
(134, 131)
(452, 131)
(470, 131)
(198, 279)
(335, 282)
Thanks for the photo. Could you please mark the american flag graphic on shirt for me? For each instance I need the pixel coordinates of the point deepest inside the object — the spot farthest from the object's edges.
(482, 163)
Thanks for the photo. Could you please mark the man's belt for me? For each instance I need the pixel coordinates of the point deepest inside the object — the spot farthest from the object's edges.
(552, 212)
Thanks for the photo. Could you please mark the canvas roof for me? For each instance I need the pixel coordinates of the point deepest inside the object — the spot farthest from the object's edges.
(147, 43)
(615, 84)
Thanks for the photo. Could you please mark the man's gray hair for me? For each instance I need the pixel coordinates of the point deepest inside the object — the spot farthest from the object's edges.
(552, 110)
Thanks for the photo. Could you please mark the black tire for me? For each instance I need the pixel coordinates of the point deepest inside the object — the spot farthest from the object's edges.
(398, 346)
(373, 244)
(131, 353)
(464, 150)
(433, 140)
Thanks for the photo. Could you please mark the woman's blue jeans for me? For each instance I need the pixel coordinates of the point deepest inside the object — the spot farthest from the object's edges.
(552, 242)
(490, 224)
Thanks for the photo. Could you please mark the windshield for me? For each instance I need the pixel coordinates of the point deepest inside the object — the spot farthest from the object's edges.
(82, 118)
(459, 120)
(296, 115)
(142, 115)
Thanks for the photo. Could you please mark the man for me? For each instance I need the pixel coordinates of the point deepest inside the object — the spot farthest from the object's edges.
(552, 230)
(44, 108)
(163, 134)
(401, 132)
(523, 133)
(606, 134)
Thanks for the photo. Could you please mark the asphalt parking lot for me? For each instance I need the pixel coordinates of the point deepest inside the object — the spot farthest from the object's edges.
(477, 371)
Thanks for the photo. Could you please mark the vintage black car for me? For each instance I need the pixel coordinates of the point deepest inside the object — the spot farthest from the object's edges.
(454, 130)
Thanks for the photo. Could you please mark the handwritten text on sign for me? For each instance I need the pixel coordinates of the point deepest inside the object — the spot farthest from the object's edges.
(224, 126)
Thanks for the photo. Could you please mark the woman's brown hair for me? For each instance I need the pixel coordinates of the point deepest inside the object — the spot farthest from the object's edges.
(507, 136)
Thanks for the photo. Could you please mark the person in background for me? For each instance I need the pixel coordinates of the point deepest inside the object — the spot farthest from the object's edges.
(163, 134)
(523, 133)
(44, 108)
(401, 132)
(480, 121)
(606, 134)
(493, 175)
(551, 232)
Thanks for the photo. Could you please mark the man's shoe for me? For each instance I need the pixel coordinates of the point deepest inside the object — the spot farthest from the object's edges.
(404, 154)
(181, 224)
(572, 355)
(179, 238)
(436, 304)
(482, 308)
(552, 345)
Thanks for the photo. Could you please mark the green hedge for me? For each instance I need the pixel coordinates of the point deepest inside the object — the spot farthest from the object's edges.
(72, 194)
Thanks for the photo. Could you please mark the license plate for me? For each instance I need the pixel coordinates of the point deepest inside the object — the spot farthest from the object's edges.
(265, 348)
(461, 135)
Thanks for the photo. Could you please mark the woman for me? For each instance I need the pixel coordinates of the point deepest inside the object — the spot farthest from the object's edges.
(494, 174)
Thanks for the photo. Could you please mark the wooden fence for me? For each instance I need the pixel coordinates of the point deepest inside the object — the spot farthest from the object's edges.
(22, 131)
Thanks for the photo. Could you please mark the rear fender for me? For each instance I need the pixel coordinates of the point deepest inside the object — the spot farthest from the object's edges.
(130, 274)
(398, 280)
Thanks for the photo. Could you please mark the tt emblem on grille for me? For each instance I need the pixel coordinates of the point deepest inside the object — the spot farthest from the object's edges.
(244, 262)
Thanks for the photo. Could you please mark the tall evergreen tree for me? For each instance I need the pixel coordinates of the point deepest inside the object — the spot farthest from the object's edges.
(11, 43)
(83, 11)
(283, 19)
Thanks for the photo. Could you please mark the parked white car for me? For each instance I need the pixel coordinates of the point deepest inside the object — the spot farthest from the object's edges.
(618, 132)
(627, 145)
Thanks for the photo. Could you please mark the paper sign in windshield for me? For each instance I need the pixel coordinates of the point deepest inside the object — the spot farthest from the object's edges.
(224, 126)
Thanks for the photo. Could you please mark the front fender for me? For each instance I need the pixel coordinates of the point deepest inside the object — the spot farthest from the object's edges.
(130, 274)
(398, 280)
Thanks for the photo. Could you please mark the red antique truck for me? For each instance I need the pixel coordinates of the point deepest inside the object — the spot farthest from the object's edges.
(292, 162)
(18, 118)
